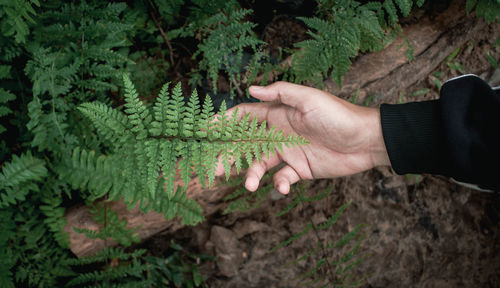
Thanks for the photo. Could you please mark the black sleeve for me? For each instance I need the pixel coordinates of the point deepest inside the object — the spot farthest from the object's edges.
(456, 136)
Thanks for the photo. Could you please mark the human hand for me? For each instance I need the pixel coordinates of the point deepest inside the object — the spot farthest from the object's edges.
(344, 138)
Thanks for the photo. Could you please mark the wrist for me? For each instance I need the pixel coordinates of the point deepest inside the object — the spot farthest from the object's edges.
(377, 149)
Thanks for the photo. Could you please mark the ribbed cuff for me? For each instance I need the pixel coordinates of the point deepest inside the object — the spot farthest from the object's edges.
(413, 135)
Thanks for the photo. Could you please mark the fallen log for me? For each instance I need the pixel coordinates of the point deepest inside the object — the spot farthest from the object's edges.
(380, 74)
(383, 74)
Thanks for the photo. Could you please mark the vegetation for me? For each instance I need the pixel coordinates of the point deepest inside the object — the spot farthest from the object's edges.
(75, 129)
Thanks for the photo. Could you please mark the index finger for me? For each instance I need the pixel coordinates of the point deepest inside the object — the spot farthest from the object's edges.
(257, 110)
(293, 95)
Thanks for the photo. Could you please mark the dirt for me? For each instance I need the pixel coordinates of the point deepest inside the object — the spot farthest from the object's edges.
(421, 230)
(425, 233)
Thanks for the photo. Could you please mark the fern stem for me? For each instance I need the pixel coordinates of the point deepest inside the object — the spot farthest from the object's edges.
(219, 141)
(321, 246)
(53, 102)
(164, 35)
(237, 86)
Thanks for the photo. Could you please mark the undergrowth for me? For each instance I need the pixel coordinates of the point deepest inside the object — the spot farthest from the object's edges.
(331, 262)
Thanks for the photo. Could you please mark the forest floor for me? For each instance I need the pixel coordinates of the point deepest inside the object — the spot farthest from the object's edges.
(421, 230)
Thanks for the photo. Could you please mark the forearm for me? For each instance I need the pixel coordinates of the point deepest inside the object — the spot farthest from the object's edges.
(455, 136)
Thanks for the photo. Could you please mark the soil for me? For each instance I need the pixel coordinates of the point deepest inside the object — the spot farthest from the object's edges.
(421, 230)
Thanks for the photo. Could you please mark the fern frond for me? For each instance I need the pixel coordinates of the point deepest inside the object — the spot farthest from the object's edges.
(53, 210)
(103, 255)
(488, 9)
(5, 97)
(296, 236)
(404, 6)
(160, 110)
(18, 16)
(182, 138)
(111, 124)
(111, 227)
(18, 178)
(138, 114)
(334, 43)
(99, 174)
(226, 35)
(186, 209)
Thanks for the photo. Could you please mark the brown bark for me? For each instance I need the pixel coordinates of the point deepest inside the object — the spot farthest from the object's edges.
(383, 74)
(150, 223)
(380, 74)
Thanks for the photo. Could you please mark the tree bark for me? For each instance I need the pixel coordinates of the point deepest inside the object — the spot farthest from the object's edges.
(382, 75)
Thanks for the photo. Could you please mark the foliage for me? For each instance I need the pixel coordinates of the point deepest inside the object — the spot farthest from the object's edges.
(112, 227)
(16, 18)
(178, 268)
(125, 269)
(30, 254)
(345, 28)
(115, 267)
(337, 270)
(19, 177)
(242, 201)
(487, 9)
(156, 138)
(332, 262)
(225, 36)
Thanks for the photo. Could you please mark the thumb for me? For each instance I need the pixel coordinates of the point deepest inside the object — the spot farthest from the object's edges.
(287, 93)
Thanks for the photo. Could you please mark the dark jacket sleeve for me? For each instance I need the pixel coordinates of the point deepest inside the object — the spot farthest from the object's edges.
(457, 135)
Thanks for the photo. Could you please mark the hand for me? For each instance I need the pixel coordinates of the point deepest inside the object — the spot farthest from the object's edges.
(344, 138)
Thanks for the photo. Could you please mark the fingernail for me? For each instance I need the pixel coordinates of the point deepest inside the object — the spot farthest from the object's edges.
(283, 188)
(249, 185)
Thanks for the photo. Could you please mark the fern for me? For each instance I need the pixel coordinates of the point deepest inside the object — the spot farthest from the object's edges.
(337, 271)
(111, 227)
(335, 43)
(114, 267)
(16, 17)
(243, 201)
(487, 9)
(129, 270)
(151, 142)
(347, 27)
(33, 256)
(5, 97)
(169, 10)
(18, 178)
(225, 36)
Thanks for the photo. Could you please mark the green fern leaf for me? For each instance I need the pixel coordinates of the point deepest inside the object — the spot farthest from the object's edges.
(110, 123)
(404, 6)
(469, 5)
(392, 13)
(18, 178)
(183, 139)
(138, 114)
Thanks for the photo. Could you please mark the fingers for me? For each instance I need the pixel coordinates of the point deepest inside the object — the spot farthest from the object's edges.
(284, 178)
(258, 110)
(219, 171)
(257, 171)
(290, 94)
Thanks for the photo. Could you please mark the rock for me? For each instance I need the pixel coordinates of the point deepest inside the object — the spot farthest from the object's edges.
(495, 78)
(245, 227)
(393, 189)
(229, 255)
